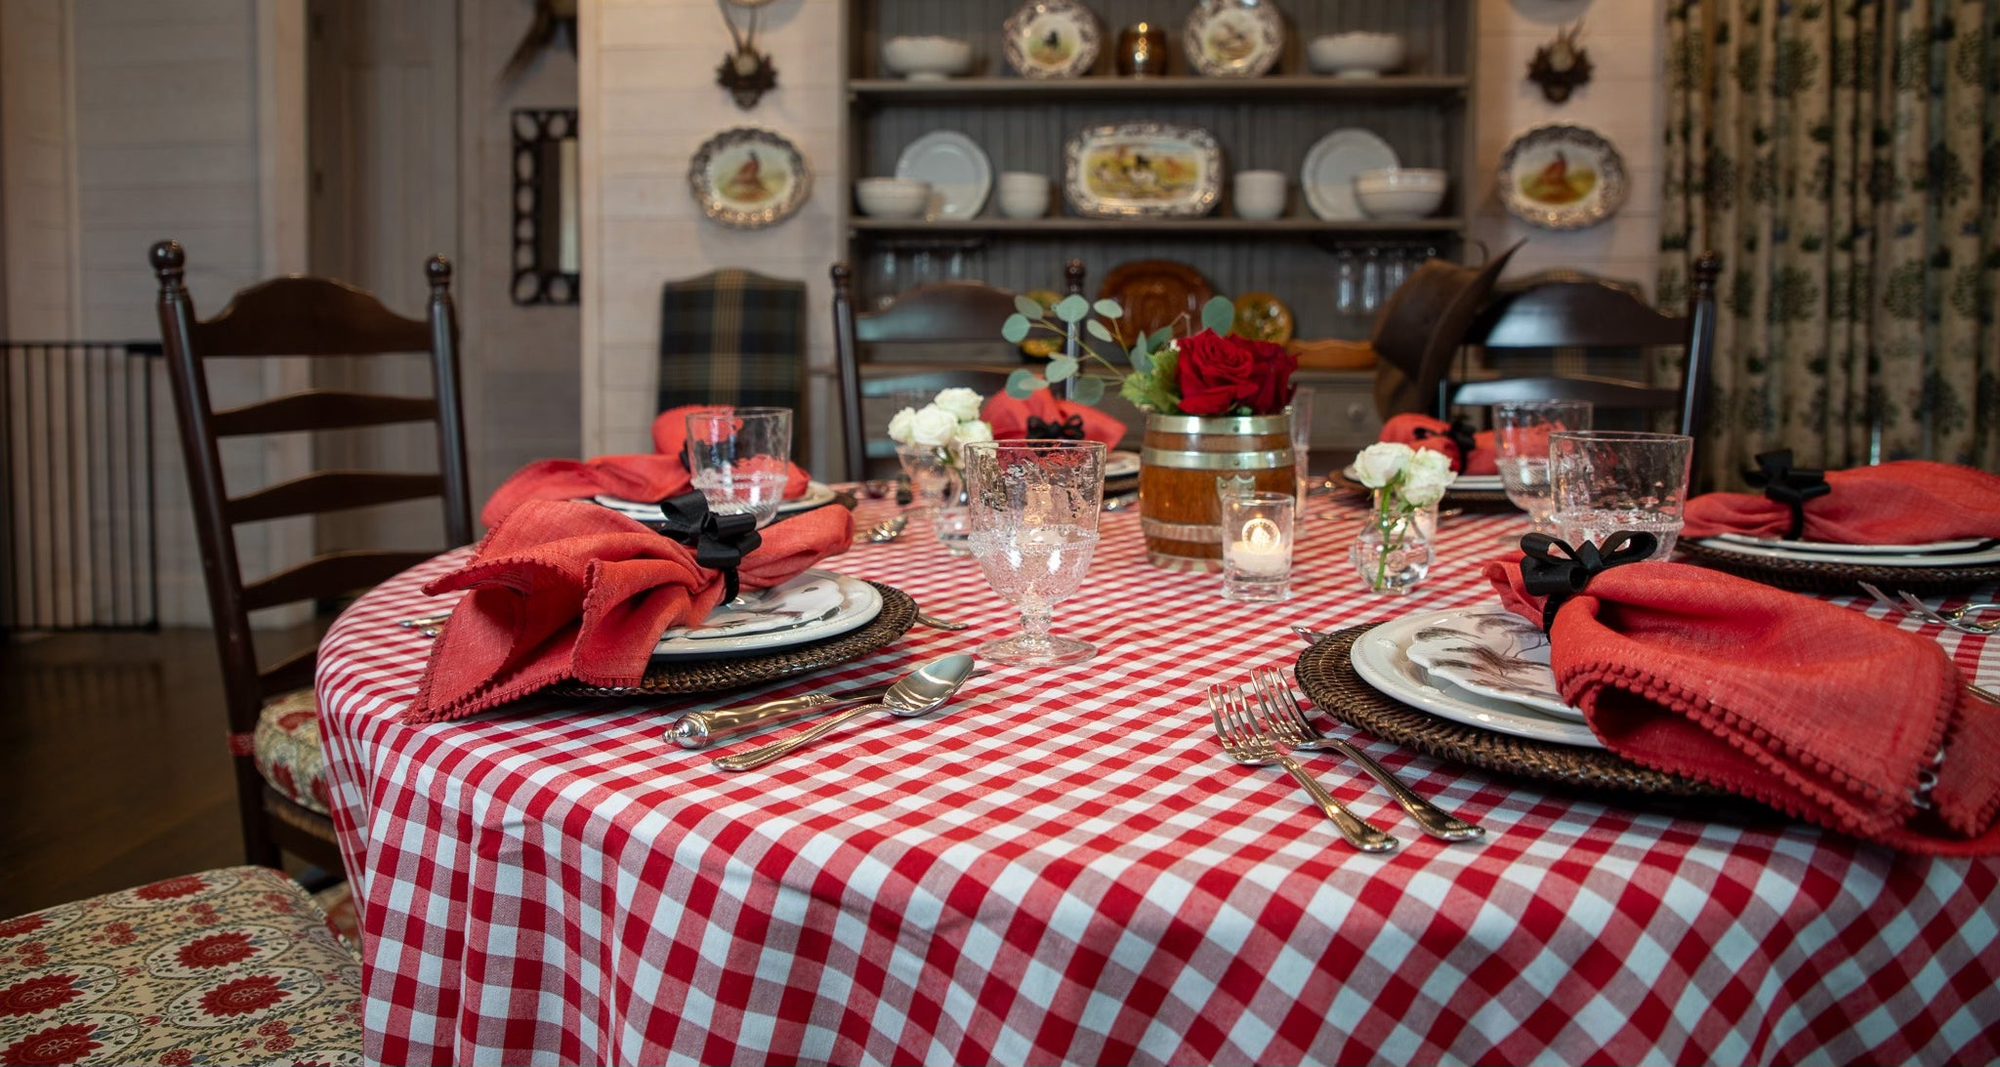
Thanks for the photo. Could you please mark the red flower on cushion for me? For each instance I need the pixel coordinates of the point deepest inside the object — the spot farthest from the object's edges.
(1219, 374)
(36, 995)
(179, 1057)
(58, 1044)
(281, 777)
(243, 996)
(290, 721)
(171, 888)
(119, 933)
(24, 924)
(216, 950)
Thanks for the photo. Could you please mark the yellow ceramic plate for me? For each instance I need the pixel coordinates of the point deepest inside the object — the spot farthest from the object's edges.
(1042, 347)
(1263, 317)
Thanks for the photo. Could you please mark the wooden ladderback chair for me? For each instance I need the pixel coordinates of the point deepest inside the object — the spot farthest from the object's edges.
(270, 710)
(950, 313)
(1591, 314)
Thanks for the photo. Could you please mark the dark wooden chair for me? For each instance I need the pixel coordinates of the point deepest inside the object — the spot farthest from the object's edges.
(311, 317)
(952, 313)
(1593, 314)
(734, 337)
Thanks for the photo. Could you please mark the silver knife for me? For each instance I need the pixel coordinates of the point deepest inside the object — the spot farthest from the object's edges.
(700, 729)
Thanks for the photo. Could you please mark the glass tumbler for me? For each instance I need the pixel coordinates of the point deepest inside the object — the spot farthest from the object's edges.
(1521, 440)
(1605, 481)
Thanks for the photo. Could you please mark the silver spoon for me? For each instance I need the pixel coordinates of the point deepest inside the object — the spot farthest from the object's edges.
(886, 530)
(918, 693)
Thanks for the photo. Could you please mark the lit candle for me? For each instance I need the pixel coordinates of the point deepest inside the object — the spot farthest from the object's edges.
(1263, 551)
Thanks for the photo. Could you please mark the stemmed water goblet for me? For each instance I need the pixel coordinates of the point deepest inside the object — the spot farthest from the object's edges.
(1034, 526)
(1521, 432)
(740, 459)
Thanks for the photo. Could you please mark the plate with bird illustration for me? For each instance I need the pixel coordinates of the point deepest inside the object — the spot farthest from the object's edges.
(1562, 177)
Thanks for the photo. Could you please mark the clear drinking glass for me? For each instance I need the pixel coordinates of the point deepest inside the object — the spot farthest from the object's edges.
(740, 458)
(1034, 527)
(1521, 438)
(937, 491)
(1301, 413)
(1606, 481)
(1257, 547)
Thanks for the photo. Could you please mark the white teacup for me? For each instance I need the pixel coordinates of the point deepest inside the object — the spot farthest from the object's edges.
(1023, 194)
(1260, 194)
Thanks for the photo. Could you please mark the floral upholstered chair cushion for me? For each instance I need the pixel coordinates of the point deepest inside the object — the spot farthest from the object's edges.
(228, 966)
(286, 748)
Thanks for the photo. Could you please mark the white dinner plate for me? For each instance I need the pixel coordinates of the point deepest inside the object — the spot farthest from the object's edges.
(1935, 547)
(960, 174)
(817, 494)
(1495, 653)
(1327, 178)
(1381, 658)
(1121, 464)
(1859, 554)
(811, 607)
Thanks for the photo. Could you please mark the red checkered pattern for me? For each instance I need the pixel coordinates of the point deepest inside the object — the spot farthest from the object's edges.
(1062, 866)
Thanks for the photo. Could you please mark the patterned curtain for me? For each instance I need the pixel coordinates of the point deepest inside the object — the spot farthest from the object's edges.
(1844, 158)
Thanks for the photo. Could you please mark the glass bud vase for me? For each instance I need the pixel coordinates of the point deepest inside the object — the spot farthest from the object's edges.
(1394, 549)
(953, 518)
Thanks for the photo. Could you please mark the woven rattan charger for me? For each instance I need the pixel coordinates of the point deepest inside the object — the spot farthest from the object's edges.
(1820, 576)
(1327, 674)
(899, 612)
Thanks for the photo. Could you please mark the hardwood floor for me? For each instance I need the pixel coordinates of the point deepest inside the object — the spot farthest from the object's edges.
(114, 770)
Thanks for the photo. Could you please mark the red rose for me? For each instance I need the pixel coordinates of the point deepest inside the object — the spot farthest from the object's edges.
(1220, 374)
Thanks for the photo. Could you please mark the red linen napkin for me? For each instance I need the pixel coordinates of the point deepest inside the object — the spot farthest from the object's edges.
(670, 434)
(565, 590)
(1908, 502)
(1435, 435)
(1078, 422)
(1814, 709)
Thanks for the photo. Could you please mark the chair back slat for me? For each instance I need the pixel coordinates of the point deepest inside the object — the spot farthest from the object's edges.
(322, 409)
(307, 317)
(326, 491)
(295, 672)
(333, 575)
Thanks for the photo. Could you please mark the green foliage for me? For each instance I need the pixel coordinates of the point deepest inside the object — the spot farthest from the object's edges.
(1022, 384)
(1219, 314)
(1087, 389)
(1072, 308)
(1015, 329)
(1062, 369)
(1029, 307)
(1109, 309)
(1100, 331)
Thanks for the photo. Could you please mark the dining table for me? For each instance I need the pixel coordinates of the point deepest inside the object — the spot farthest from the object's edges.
(1061, 865)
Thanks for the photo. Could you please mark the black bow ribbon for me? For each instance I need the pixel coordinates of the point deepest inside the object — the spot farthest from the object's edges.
(720, 541)
(1543, 574)
(1788, 485)
(1069, 429)
(1460, 433)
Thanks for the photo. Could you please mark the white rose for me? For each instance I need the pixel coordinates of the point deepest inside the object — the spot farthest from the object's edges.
(1379, 464)
(975, 430)
(899, 426)
(962, 403)
(1424, 488)
(933, 427)
(1433, 464)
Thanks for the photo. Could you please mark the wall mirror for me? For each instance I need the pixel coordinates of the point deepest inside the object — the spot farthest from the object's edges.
(547, 258)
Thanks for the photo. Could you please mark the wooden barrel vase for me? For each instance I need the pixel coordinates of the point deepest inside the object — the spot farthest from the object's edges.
(1182, 457)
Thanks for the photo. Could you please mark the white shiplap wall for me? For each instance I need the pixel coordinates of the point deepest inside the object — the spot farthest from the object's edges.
(648, 99)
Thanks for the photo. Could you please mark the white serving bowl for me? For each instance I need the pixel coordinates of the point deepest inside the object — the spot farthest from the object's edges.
(1355, 55)
(927, 58)
(1400, 193)
(892, 198)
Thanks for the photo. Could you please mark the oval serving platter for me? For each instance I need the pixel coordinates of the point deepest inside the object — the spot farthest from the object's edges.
(1562, 177)
(1143, 169)
(749, 178)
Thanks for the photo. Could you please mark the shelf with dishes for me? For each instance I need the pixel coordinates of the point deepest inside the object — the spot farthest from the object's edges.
(1414, 87)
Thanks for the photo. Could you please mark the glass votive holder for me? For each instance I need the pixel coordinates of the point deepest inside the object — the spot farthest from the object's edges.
(1257, 546)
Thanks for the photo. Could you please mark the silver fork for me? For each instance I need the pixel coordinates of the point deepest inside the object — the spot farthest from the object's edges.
(1289, 722)
(1247, 742)
(1917, 609)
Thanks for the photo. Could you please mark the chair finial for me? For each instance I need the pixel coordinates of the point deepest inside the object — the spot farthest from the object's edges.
(843, 277)
(167, 258)
(438, 270)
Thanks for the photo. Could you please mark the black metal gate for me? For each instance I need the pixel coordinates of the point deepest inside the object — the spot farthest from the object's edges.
(78, 545)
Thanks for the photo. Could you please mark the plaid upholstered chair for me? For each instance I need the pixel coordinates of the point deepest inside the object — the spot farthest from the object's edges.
(733, 337)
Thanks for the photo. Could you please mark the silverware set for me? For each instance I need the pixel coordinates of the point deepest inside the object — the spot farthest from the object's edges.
(1955, 618)
(1262, 731)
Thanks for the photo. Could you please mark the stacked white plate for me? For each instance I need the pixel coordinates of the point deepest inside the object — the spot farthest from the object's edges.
(1484, 667)
(1966, 553)
(812, 607)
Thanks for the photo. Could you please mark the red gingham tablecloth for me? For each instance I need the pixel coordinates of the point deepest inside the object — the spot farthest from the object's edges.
(1063, 866)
